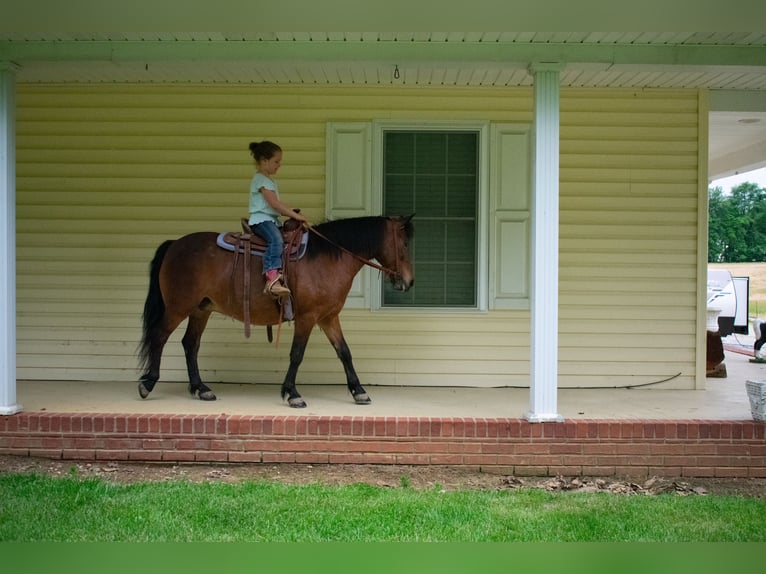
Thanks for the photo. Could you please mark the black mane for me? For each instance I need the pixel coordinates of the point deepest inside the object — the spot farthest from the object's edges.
(360, 235)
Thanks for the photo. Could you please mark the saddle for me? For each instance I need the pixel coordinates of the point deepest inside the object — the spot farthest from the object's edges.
(246, 240)
(249, 244)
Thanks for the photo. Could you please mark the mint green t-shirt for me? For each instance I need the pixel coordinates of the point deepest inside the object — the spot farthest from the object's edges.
(261, 211)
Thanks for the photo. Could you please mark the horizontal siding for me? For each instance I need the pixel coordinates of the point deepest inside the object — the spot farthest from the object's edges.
(628, 237)
(112, 171)
(107, 172)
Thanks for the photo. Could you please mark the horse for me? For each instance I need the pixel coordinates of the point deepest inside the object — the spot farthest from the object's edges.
(191, 277)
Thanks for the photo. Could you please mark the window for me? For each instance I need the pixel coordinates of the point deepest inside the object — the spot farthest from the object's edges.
(436, 175)
(468, 184)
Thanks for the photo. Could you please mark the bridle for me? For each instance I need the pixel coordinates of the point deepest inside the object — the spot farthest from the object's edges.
(391, 272)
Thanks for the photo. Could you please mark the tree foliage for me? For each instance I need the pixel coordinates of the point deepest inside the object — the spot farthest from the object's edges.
(737, 224)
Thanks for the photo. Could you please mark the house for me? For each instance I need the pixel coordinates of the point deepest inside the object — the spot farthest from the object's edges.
(559, 180)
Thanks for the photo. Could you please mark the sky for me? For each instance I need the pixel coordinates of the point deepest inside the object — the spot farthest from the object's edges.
(757, 176)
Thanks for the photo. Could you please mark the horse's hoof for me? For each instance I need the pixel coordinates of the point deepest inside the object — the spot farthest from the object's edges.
(362, 399)
(297, 403)
(143, 391)
(207, 396)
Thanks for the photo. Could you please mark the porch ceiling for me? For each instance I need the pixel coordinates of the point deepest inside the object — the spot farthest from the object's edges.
(720, 61)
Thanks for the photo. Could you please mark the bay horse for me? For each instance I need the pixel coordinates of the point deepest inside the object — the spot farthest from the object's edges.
(192, 277)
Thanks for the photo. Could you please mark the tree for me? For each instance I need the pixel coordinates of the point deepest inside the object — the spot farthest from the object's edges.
(737, 224)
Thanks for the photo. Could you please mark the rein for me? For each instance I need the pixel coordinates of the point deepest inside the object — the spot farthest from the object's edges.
(367, 262)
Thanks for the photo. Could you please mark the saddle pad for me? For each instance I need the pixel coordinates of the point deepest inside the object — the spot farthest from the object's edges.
(230, 241)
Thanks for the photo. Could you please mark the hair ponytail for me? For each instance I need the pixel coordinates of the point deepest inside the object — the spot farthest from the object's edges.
(263, 150)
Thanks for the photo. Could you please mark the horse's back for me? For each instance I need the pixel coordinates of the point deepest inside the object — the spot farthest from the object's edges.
(194, 263)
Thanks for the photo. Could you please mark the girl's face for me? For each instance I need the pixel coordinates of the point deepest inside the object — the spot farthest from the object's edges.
(270, 166)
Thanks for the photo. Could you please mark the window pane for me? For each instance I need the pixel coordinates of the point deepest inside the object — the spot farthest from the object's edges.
(435, 175)
(399, 150)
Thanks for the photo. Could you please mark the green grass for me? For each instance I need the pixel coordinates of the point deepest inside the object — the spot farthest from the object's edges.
(36, 508)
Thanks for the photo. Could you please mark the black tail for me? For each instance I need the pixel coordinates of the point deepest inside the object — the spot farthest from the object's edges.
(154, 307)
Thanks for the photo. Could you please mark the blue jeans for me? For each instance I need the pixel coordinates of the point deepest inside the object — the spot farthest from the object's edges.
(272, 259)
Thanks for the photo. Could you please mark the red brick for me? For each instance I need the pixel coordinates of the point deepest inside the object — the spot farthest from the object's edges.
(244, 456)
(78, 454)
(145, 455)
(566, 470)
(481, 459)
(271, 457)
(498, 448)
(447, 459)
(601, 448)
(256, 425)
(192, 444)
(55, 453)
(210, 456)
(700, 448)
(412, 459)
(103, 454)
(531, 470)
(664, 448)
(278, 425)
(671, 471)
(15, 451)
(347, 458)
(312, 457)
(631, 471)
(698, 471)
(598, 470)
(580, 460)
(726, 472)
(122, 443)
(177, 456)
(345, 426)
(566, 448)
(375, 458)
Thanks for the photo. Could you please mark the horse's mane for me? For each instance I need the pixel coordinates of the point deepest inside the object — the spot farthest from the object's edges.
(360, 235)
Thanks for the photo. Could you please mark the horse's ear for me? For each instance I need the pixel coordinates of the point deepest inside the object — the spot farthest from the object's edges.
(406, 219)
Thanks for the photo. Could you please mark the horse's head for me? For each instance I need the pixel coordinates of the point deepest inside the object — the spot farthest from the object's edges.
(396, 252)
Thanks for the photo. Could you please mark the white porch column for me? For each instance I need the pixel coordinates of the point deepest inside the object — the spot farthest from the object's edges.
(545, 246)
(8, 405)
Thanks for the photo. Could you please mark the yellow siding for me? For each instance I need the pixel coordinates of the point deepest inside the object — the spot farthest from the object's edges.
(628, 237)
(107, 172)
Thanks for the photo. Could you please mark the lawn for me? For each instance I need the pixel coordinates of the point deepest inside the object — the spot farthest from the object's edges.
(38, 508)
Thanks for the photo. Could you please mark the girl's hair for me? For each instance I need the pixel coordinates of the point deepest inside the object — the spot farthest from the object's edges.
(263, 150)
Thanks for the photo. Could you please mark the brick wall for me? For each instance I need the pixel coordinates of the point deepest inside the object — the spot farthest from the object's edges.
(689, 448)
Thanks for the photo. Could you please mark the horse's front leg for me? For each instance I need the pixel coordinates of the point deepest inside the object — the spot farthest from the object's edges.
(190, 342)
(331, 328)
(300, 340)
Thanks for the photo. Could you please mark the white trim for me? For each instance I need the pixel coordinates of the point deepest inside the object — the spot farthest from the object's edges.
(8, 405)
(544, 276)
(482, 211)
(348, 185)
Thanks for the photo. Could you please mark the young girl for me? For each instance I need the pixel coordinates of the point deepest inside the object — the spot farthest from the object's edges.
(265, 209)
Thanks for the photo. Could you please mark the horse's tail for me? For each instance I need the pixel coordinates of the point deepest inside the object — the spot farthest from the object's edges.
(154, 307)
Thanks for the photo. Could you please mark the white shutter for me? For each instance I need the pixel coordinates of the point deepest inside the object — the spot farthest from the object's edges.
(349, 187)
(510, 216)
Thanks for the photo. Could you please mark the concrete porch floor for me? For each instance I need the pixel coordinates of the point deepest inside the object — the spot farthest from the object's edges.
(723, 399)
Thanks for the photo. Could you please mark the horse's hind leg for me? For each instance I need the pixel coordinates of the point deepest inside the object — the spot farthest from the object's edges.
(152, 374)
(190, 342)
(155, 343)
(331, 328)
(300, 340)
